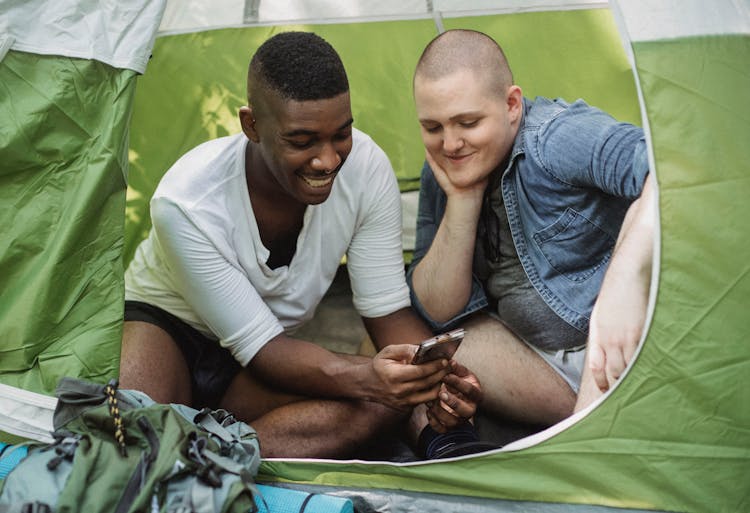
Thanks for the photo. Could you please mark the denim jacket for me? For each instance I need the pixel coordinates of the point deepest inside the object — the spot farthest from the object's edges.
(572, 174)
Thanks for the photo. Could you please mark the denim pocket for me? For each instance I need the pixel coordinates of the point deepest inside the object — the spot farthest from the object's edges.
(574, 246)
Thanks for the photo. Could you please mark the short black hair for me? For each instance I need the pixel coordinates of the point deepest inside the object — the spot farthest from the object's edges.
(298, 66)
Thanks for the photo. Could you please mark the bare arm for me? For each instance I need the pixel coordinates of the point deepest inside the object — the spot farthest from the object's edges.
(305, 368)
(401, 327)
(442, 279)
(619, 314)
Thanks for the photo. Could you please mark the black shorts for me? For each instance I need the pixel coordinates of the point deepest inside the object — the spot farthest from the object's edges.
(212, 367)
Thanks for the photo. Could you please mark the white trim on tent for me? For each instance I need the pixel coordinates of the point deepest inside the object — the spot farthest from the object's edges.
(627, 20)
(118, 33)
(5, 43)
(26, 414)
(184, 16)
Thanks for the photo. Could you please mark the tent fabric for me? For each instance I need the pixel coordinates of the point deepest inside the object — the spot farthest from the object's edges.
(62, 191)
(724, 17)
(120, 34)
(674, 435)
(25, 415)
(64, 149)
(373, 500)
(197, 15)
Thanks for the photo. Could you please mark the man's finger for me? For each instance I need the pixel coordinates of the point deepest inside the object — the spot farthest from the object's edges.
(466, 388)
(398, 352)
(628, 350)
(435, 423)
(615, 366)
(460, 407)
(445, 417)
(597, 360)
(422, 396)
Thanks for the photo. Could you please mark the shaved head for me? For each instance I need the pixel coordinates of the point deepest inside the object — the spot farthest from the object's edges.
(460, 49)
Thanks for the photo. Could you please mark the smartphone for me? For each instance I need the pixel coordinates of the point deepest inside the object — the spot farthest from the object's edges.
(439, 346)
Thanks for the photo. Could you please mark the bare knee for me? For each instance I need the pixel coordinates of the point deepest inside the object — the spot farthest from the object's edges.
(323, 428)
(249, 398)
(150, 361)
(516, 381)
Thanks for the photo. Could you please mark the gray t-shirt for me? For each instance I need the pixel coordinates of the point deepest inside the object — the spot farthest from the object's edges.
(518, 304)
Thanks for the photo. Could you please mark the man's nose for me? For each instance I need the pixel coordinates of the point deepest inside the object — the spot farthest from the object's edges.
(327, 160)
(452, 141)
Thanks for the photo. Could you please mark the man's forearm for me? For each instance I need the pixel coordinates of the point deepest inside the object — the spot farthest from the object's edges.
(400, 327)
(635, 243)
(305, 368)
(619, 314)
(443, 278)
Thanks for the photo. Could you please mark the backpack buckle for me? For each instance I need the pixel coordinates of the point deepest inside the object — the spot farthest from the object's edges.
(206, 470)
(36, 507)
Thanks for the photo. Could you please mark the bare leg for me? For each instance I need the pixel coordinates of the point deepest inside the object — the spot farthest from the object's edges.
(152, 363)
(290, 426)
(517, 382)
(286, 424)
(322, 429)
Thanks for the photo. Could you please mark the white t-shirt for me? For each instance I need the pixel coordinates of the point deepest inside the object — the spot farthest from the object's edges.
(204, 262)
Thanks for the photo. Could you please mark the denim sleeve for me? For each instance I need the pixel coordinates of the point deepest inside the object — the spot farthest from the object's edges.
(432, 202)
(584, 146)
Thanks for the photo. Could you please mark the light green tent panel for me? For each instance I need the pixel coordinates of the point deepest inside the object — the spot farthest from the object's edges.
(569, 54)
(196, 84)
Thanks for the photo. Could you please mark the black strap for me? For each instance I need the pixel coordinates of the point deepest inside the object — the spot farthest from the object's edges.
(26, 507)
(304, 502)
(135, 482)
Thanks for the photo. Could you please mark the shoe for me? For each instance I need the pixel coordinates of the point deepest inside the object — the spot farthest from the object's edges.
(463, 449)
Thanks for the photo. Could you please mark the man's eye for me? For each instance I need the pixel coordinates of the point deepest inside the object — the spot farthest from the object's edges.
(469, 124)
(301, 144)
(343, 136)
(431, 129)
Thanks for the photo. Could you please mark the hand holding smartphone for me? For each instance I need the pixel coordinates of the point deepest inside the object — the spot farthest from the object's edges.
(439, 346)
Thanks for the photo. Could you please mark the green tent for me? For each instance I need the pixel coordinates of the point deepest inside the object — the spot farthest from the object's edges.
(674, 435)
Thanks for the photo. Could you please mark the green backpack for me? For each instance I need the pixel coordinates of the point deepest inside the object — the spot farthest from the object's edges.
(117, 451)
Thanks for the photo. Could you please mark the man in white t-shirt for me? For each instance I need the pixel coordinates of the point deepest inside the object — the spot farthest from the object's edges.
(248, 232)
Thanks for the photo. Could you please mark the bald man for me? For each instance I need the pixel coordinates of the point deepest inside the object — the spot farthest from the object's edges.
(534, 232)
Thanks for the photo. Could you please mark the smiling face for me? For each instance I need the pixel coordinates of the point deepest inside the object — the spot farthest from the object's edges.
(300, 145)
(467, 126)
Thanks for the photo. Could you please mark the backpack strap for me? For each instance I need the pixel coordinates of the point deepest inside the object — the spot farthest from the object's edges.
(65, 446)
(137, 478)
(26, 507)
(304, 502)
(207, 421)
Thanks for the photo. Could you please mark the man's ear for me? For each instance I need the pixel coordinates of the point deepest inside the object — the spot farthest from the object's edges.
(515, 103)
(247, 121)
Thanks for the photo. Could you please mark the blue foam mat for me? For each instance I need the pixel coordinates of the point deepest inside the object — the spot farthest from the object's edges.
(10, 456)
(283, 500)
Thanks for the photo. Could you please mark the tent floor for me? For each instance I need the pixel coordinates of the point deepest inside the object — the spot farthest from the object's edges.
(376, 500)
